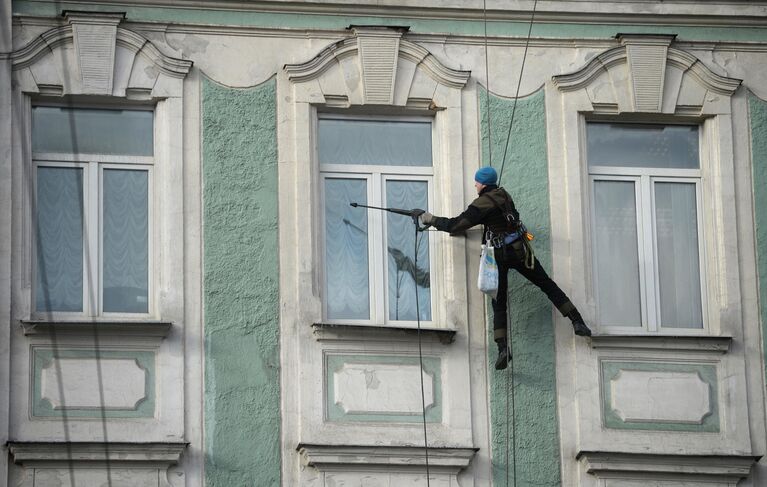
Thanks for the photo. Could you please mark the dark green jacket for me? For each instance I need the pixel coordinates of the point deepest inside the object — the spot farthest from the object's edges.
(485, 210)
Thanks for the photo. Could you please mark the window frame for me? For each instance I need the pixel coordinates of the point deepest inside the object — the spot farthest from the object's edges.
(93, 166)
(644, 179)
(376, 177)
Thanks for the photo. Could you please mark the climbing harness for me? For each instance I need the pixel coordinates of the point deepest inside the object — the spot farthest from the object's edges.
(529, 255)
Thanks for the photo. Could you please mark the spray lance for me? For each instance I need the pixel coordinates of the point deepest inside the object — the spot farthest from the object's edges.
(414, 213)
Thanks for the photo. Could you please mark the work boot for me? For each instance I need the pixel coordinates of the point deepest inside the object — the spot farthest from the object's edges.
(579, 326)
(503, 354)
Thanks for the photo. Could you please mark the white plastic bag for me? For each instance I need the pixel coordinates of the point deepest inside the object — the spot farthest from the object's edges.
(487, 282)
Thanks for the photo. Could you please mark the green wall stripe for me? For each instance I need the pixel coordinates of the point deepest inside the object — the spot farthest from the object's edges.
(758, 113)
(611, 369)
(525, 176)
(247, 18)
(334, 363)
(42, 358)
(242, 363)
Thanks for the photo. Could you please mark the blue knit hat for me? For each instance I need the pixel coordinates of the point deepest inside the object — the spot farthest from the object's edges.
(486, 175)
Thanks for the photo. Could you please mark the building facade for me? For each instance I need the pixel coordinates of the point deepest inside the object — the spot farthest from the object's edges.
(188, 297)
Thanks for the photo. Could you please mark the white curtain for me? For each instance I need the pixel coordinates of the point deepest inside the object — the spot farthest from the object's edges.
(126, 241)
(402, 273)
(617, 257)
(678, 259)
(374, 142)
(347, 278)
(92, 131)
(59, 283)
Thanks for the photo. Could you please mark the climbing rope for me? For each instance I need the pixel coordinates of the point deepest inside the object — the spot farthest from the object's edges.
(510, 368)
(420, 352)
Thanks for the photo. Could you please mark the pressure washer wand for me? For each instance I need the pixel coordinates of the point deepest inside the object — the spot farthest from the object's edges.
(414, 213)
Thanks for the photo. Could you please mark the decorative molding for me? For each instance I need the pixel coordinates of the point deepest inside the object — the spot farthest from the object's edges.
(124, 328)
(660, 396)
(378, 73)
(651, 63)
(94, 38)
(339, 457)
(725, 468)
(378, 50)
(40, 454)
(678, 343)
(83, 373)
(382, 388)
(97, 40)
(80, 379)
(388, 334)
(313, 69)
(646, 57)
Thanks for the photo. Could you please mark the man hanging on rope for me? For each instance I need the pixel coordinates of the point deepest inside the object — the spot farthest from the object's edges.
(494, 209)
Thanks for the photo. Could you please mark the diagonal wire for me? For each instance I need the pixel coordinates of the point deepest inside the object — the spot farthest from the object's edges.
(519, 83)
(420, 354)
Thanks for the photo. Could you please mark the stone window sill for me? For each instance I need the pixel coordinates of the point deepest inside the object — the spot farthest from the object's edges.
(722, 468)
(336, 332)
(31, 454)
(122, 328)
(335, 457)
(677, 343)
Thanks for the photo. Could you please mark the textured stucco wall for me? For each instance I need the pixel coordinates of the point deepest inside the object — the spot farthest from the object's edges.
(242, 392)
(525, 176)
(758, 109)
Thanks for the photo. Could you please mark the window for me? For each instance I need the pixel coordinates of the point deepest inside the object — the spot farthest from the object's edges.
(92, 212)
(646, 201)
(369, 271)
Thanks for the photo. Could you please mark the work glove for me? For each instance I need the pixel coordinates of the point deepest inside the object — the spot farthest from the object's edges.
(427, 219)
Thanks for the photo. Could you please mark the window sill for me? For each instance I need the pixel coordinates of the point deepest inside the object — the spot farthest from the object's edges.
(449, 460)
(120, 328)
(677, 343)
(45, 454)
(336, 332)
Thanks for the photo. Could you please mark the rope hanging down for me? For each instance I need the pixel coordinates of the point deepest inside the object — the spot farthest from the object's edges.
(414, 214)
(510, 368)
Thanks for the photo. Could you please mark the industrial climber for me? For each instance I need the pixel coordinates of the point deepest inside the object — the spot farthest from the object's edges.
(495, 210)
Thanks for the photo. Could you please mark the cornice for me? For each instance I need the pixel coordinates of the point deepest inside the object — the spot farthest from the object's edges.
(32, 453)
(676, 57)
(56, 37)
(723, 467)
(314, 68)
(332, 457)
(317, 65)
(643, 12)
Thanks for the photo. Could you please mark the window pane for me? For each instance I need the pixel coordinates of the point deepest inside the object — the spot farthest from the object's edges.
(402, 273)
(92, 131)
(59, 285)
(347, 281)
(374, 142)
(636, 145)
(617, 257)
(126, 241)
(676, 222)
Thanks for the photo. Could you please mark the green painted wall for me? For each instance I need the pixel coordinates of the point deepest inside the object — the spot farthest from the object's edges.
(250, 18)
(758, 109)
(525, 176)
(242, 391)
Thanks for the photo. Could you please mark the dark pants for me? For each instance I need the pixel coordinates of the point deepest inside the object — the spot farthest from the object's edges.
(512, 256)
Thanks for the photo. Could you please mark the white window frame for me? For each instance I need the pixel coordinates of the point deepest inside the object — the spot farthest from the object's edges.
(376, 177)
(93, 166)
(644, 179)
